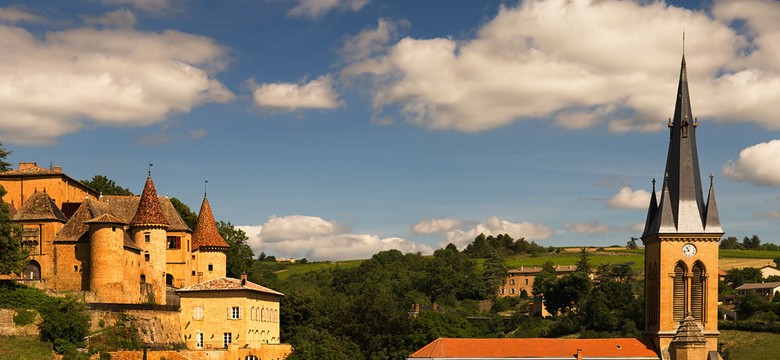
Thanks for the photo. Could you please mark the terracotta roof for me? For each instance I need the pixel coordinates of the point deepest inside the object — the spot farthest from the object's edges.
(534, 269)
(32, 170)
(91, 211)
(125, 208)
(619, 348)
(149, 211)
(69, 208)
(39, 206)
(206, 233)
(106, 219)
(721, 272)
(11, 209)
(755, 286)
(226, 283)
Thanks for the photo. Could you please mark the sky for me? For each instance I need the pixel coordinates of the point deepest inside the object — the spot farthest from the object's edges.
(335, 129)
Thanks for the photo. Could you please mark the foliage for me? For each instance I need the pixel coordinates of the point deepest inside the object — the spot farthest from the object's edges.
(240, 256)
(565, 293)
(738, 277)
(494, 274)
(544, 279)
(13, 256)
(742, 345)
(730, 243)
(65, 322)
(24, 348)
(106, 186)
(631, 244)
(189, 217)
(4, 165)
(750, 243)
(483, 246)
(314, 344)
(18, 296)
(24, 317)
(584, 265)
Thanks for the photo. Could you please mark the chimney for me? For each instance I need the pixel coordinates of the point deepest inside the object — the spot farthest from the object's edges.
(58, 169)
(579, 354)
(27, 165)
(243, 279)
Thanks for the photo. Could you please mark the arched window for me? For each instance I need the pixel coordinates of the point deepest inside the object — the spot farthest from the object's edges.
(678, 301)
(32, 271)
(698, 284)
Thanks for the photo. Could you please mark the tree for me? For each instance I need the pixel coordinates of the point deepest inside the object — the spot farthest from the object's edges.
(189, 217)
(4, 165)
(583, 265)
(106, 186)
(65, 322)
(730, 243)
(494, 275)
(738, 277)
(564, 295)
(751, 243)
(631, 244)
(13, 256)
(239, 256)
(545, 279)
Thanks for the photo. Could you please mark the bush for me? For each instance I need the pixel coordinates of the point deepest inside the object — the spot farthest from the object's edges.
(24, 317)
(65, 322)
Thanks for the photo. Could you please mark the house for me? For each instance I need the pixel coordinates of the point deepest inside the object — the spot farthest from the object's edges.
(522, 279)
(768, 271)
(766, 290)
(681, 235)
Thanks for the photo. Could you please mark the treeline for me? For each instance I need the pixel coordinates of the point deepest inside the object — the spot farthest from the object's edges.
(748, 243)
(503, 244)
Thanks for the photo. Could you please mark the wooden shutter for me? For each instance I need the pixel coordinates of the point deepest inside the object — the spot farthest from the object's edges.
(678, 312)
(697, 292)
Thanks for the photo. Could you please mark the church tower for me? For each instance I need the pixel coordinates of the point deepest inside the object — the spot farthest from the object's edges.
(681, 239)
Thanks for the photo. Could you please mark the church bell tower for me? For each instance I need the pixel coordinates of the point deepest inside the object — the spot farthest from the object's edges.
(681, 239)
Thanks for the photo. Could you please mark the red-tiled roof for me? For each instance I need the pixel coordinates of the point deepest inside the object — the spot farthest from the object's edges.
(31, 170)
(619, 348)
(149, 211)
(39, 206)
(206, 233)
(106, 219)
(226, 283)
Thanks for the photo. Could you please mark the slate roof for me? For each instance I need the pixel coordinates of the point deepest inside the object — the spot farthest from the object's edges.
(39, 206)
(682, 208)
(149, 211)
(756, 286)
(206, 233)
(512, 348)
(226, 283)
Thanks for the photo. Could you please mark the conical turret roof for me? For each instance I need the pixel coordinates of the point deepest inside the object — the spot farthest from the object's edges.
(206, 233)
(682, 208)
(149, 212)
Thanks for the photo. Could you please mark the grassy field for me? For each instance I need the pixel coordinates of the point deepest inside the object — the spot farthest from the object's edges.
(744, 345)
(24, 348)
(304, 268)
(568, 258)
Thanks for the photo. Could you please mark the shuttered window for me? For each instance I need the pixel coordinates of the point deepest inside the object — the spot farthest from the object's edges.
(679, 293)
(697, 292)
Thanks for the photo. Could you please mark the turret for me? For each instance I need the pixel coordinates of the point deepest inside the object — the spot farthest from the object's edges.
(107, 235)
(148, 228)
(208, 246)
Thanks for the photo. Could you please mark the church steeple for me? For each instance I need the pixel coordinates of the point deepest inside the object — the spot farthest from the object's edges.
(682, 208)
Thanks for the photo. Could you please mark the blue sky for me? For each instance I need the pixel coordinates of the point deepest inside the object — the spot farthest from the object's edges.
(333, 129)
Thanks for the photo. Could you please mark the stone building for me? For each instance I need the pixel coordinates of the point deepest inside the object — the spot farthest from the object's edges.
(522, 278)
(114, 249)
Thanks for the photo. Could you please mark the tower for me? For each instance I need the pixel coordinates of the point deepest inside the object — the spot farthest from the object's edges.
(107, 233)
(148, 228)
(681, 238)
(208, 246)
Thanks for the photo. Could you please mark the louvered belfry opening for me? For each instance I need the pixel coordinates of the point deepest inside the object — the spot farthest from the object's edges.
(679, 293)
(651, 296)
(697, 292)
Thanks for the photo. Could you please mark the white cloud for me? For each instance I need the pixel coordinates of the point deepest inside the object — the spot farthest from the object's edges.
(318, 239)
(155, 7)
(589, 228)
(314, 9)
(122, 18)
(15, 15)
(758, 164)
(316, 94)
(495, 226)
(435, 226)
(773, 214)
(630, 199)
(71, 79)
(564, 60)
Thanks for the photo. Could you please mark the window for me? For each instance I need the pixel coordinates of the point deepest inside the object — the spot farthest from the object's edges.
(146, 256)
(174, 242)
(678, 293)
(199, 340)
(197, 313)
(697, 292)
(234, 312)
(193, 272)
(143, 279)
(512, 291)
(211, 267)
(227, 338)
(147, 237)
(512, 282)
(526, 281)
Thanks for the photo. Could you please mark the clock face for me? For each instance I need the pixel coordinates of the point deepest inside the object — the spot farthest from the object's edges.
(689, 250)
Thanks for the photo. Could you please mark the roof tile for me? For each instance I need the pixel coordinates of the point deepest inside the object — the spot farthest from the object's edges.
(618, 348)
(206, 233)
(149, 211)
(226, 283)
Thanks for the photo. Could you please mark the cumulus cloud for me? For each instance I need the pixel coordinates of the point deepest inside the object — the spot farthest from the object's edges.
(314, 9)
(630, 199)
(316, 94)
(757, 164)
(594, 228)
(122, 18)
(563, 60)
(155, 7)
(318, 239)
(774, 214)
(495, 226)
(436, 226)
(67, 80)
(15, 15)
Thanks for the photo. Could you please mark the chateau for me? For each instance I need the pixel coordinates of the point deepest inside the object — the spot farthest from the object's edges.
(681, 236)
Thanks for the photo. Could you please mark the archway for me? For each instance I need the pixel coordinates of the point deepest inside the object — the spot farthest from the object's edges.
(32, 271)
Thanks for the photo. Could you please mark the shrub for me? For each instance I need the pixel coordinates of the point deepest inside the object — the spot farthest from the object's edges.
(24, 317)
(65, 322)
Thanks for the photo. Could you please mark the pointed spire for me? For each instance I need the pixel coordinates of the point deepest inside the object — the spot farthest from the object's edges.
(206, 233)
(651, 210)
(712, 220)
(665, 221)
(149, 211)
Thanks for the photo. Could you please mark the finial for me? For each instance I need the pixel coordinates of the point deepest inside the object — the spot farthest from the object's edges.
(150, 169)
(711, 177)
(669, 124)
(653, 184)
(666, 176)
(695, 121)
(683, 44)
(205, 186)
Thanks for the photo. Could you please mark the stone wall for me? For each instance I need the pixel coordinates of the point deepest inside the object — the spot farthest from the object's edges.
(8, 328)
(157, 327)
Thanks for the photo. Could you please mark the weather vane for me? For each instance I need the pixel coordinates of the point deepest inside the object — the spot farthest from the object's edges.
(150, 168)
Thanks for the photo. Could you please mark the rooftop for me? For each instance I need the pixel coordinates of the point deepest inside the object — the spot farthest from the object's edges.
(509, 348)
(226, 283)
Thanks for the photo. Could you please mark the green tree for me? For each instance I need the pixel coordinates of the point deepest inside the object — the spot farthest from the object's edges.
(738, 277)
(631, 244)
(4, 165)
(545, 279)
(65, 322)
(751, 243)
(566, 293)
(583, 265)
(494, 274)
(189, 217)
(106, 186)
(13, 256)
(730, 243)
(239, 256)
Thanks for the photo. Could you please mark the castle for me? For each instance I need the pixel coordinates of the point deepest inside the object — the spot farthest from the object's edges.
(114, 249)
